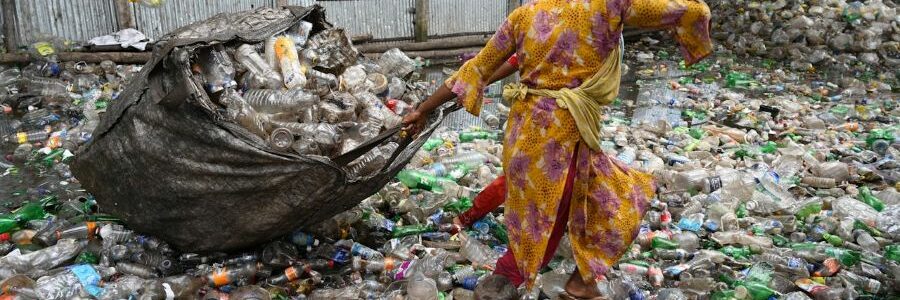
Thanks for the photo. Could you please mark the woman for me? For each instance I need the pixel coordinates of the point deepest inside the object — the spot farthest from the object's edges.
(568, 52)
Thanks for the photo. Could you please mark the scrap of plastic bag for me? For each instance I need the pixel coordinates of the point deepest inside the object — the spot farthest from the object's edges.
(125, 38)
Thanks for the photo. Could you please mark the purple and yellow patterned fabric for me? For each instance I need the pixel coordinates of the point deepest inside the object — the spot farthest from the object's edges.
(559, 44)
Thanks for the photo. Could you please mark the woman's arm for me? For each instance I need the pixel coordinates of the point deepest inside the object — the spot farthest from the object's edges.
(443, 94)
(504, 71)
(689, 19)
(469, 82)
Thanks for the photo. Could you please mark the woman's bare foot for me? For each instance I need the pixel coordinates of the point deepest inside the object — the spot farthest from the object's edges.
(576, 287)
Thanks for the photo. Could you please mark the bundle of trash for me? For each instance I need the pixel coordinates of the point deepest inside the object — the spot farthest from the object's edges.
(830, 34)
(313, 95)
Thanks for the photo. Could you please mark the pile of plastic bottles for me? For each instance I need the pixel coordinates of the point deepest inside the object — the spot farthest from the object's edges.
(47, 110)
(284, 98)
(836, 34)
(773, 185)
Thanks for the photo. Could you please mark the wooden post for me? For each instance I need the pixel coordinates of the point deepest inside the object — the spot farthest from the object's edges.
(123, 14)
(9, 26)
(421, 21)
(511, 5)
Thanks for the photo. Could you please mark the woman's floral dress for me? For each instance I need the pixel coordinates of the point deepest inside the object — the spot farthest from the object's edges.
(560, 43)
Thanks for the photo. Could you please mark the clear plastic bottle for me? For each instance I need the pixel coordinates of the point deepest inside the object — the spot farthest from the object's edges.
(396, 63)
(421, 287)
(741, 238)
(43, 86)
(257, 66)
(39, 118)
(274, 101)
(322, 79)
(468, 159)
(135, 269)
(158, 261)
(281, 139)
(269, 49)
(71, 283)
(372, 161)
(323, 137)
(28, 137)
(217, 69)
(44, 259)
(477, 252)
(291, 71)
(354, 79)
(241, 112)
(224, 276)
(114, 234)
(689, 180)
(865, 240)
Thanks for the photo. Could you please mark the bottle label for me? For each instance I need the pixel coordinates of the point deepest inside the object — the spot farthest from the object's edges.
(715, 183)
(170, 294)
(470, 282)
(44, 48)
(341, 256)
(402, 270)
(291, 274)
(89, 279)
(220, 278)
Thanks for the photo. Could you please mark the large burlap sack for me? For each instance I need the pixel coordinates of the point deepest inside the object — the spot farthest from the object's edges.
(168, 167)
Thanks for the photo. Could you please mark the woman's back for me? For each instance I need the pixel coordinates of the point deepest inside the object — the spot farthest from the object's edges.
(562, 42)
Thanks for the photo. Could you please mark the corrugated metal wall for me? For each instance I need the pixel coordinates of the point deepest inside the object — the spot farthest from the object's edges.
(156, 22)
(465, 16)
(384, 19)
(82, 20)
(72, 19)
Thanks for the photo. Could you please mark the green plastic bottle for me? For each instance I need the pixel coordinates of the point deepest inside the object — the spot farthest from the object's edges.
(845, 256)
(663, 243)
(458, 206)
(478, 135)
(735, 252)
(29, 212)
(87, 258)
(857, 224)
(833, 239)
(696, 133)
(432, 144)
(420, 180)
(723, 295)
(753, 290)
(892, 252)
(741, 211)
(402, 231)
(780, 240)
(879, 134)
(746, 289)
(738, 80)
(769, 148)
(7, 224)
(499, 231)
(866, 196)
(808, 210)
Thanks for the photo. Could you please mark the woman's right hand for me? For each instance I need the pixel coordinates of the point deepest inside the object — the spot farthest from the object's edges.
(414, 122)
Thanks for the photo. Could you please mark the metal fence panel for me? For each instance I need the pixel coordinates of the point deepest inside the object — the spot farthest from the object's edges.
(465, 16)
(81, 20)
(157, 21)
(78, 20)
(384, 19)
(301, 2)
